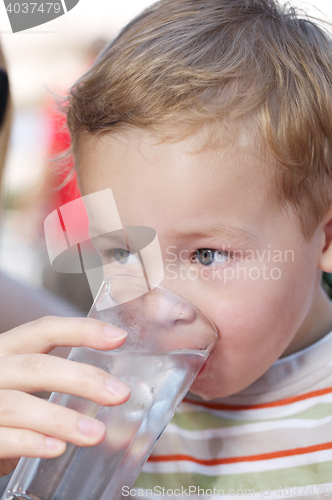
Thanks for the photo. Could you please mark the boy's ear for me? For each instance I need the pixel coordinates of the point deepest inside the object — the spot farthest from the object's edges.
(325, 262)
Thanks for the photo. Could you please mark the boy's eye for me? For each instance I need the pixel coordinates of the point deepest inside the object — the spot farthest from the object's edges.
(207, 257)
(123, 256)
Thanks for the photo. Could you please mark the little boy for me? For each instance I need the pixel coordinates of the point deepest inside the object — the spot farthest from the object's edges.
(211, 121)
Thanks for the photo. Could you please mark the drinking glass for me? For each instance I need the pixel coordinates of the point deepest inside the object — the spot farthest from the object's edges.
(168, 342)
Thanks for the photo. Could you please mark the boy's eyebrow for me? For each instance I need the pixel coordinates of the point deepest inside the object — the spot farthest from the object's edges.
(237, 234)
(234, 233)
(114, 237)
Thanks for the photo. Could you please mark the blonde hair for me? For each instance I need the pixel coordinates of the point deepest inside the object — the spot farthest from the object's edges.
(191, 61)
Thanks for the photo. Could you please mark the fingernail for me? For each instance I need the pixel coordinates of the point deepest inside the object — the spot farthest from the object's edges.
(90, 427)
(116, 387)
(114, 333)
(54, 444)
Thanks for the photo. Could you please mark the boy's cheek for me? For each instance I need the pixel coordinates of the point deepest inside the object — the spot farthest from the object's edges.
(256, 321)
(245, 310)
(247, 298)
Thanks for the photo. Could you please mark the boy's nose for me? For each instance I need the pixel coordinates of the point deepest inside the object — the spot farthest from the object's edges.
(176, 324)
(158, 305)
(168, 309)
(157, 317)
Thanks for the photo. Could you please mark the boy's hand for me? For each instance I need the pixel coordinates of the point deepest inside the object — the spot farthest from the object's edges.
(32, 427)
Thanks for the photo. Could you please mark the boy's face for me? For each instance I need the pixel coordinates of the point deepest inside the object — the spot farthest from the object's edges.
(261, 289)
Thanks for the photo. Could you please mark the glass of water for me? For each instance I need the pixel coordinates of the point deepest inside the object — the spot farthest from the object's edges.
(168, 342)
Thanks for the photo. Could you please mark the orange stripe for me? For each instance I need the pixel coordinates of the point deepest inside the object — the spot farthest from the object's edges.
(281, 402)
(248, 458)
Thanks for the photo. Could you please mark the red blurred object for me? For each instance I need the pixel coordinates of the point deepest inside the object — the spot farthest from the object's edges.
(64, 186)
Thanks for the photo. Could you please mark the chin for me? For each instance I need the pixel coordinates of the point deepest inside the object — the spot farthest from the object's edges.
(206, 389)
(209, 388)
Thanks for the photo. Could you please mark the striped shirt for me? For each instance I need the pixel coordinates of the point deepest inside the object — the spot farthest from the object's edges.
(273, 439)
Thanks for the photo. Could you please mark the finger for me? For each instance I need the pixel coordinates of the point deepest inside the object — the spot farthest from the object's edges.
(40, 372)
(22, 442)
(23, 411)
(48, 332)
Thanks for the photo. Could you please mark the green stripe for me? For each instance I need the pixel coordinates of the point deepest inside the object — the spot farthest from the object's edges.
(318, 411)
(203, 420)
(301, 477)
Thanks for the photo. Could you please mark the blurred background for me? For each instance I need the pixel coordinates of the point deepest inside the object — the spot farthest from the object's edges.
(41, 61)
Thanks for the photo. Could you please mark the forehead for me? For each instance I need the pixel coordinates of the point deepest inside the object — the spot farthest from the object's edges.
(228, 153)
(225, 180)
